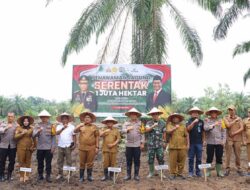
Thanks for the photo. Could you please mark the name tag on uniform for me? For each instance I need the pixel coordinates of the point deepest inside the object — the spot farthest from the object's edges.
(161, 167)
(203, 166)
(116, 170)
(69, 168)
(25, 170)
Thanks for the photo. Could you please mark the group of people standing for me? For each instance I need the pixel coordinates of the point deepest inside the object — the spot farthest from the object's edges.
(181, 139)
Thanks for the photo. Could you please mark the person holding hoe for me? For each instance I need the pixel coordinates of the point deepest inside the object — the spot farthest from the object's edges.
(111, 138)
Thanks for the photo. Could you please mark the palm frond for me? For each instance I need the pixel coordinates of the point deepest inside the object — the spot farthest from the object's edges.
(241, 48)
(246, 76)
(189, 35)
(214, 6)
(95, 18)
(226, 22)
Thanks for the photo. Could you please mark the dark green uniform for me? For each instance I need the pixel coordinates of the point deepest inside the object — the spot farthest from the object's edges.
(88, 99)
(155, 142)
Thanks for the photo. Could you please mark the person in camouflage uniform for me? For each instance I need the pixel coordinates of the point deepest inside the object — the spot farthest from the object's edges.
(156, 131)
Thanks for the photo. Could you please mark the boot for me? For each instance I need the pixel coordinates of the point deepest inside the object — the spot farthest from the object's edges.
(106, 176)
(128, 177)
(227, 172)
(1, 178)
(81, 175)
(9, 176)
(136, 176)
(151, 171)
(208, 174)
(111, 175)
(48, 179)
(89, 174)
(218, 170)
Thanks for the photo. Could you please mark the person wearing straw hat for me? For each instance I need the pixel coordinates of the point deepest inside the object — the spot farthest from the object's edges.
(195, 127)
(178, 145)
(156, 131)
(111, 138)
(235, 130)
(215, 139)
(7, 146)
(46, 135)
(134, 142)
(88, 143)
(247, 138)
(66, 141)
(25, 144)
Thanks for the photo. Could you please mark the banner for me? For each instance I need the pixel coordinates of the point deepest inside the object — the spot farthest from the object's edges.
(110, 88)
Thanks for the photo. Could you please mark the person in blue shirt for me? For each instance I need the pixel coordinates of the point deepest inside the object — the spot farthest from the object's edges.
(195, 127)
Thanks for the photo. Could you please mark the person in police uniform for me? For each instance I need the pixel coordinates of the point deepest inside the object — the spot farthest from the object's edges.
(84, 96)
(25, 144)
(247, 138)
(111, 138)
(88, 143)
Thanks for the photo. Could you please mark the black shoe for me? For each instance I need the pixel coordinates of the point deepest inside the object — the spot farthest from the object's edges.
(181, 177)
(227, 172)
(106, 176)
(48, 179)
(81, 175)
(172, 177)
(40, 177)
(9, 176)
(137, 178)
(89, 174)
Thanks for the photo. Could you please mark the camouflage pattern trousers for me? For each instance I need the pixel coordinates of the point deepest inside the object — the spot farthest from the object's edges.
(158, 153)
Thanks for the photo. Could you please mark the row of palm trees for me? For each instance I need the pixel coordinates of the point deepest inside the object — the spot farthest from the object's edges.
(149, 37)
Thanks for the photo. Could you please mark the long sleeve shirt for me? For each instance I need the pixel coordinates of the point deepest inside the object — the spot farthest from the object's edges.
(7, 136)
(46, 138)
(134, 137)
(214, 135)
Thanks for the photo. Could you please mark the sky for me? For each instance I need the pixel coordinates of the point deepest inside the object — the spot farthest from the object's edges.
(32, 39)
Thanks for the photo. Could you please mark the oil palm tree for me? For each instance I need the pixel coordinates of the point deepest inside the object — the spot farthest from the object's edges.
(149, 37)
(238, 8)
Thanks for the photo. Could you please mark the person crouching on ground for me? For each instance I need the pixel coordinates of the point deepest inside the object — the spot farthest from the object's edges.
(178, 145)
(156, 131)
(25, 144)
(88, 143)
(215, 139)
(111, 138)
(66, 141)
(195, 127)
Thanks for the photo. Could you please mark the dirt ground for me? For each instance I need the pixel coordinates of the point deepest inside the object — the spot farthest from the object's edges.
(232, 182)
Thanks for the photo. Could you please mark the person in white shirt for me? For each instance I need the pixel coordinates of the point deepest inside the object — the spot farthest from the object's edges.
(66, 141)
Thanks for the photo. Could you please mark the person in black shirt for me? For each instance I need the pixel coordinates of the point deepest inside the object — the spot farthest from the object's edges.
(195, 127)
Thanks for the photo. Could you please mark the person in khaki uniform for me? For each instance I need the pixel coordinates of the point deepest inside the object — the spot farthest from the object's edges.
(88, 143)
(25, 144)
(247, 138)
(178, 145)
(235, 128)
(111, 137)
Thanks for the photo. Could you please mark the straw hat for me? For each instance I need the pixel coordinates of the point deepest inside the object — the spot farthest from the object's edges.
(154, 111)
(170, 118)
(133, 110)
(231, 107)
(195, 109)
(83, 114)
(44, 113)
(59, 118)
(109, 118)
(20, 119)
(213, 109)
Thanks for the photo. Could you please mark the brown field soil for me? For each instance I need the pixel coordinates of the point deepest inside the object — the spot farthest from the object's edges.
(232, 182)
